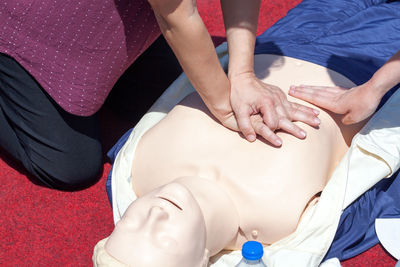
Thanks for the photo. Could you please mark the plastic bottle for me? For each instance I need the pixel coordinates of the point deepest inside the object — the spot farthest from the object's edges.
(252, 252)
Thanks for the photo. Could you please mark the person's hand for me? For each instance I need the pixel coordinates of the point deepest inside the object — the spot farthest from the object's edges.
(356, 104)
(261, 109)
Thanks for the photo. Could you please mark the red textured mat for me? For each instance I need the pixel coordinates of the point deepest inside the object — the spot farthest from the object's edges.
(42, 227)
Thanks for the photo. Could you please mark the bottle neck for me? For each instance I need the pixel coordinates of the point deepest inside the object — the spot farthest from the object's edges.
(252, 261)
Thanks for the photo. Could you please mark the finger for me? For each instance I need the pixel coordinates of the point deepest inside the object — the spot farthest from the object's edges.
(292, 128)
(270, 117)
(245, 126)
(298, 113)
(262, 130)
(305, 109)
(349, 119)
(315, 90)
(324, 88)
(320, 98)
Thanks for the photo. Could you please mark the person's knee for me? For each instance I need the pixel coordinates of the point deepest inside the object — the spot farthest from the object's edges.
(79, 175)
(72, 172)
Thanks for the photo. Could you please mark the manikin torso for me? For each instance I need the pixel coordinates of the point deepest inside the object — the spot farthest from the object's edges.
(270, 187)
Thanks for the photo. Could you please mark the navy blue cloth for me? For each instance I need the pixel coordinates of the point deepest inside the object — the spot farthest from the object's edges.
(112, 154)
(354, 38)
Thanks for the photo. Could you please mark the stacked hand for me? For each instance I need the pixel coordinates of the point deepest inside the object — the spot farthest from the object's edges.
(260, 108)
(356, 104)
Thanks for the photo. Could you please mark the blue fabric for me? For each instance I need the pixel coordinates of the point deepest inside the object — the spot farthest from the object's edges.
(354, 38)
(112, 154)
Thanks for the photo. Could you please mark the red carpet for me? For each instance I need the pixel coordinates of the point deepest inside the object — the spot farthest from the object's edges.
(42, 227)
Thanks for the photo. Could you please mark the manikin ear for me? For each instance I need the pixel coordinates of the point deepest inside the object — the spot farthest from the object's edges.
(206, 258)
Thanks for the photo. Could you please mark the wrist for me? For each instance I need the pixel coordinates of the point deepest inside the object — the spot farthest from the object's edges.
(240, 61)
(241, 74)
(378, 88)
(218, 101)
(221, 109)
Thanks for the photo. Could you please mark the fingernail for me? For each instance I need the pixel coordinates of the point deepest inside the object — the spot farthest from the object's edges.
(303, 134)
(316, 111)
(278, 142)
(251, 137)
(291, 91)
(317, 121)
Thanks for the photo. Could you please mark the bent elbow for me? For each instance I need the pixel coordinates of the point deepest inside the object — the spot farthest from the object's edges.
(173, 11)
(164, 7)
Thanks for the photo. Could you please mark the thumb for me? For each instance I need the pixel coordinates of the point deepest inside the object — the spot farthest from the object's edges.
(349, 119)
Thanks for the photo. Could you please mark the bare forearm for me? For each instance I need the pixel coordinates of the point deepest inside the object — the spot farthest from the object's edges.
(240, 18)
(387, 76)
(188, 37)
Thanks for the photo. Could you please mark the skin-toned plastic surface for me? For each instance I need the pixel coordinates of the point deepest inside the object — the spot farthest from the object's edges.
(202, 188)
(151, 232)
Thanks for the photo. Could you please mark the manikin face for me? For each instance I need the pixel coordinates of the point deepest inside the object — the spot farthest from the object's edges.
(162, 228)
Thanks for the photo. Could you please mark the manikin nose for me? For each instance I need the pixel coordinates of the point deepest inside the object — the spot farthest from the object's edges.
(156, 217)
(157, 214)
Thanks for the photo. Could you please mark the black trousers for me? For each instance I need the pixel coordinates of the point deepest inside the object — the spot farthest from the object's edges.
(62, 150)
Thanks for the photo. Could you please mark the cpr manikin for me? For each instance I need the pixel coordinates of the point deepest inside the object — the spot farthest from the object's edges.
(202, 188)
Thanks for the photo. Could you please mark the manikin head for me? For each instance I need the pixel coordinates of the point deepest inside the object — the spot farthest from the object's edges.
(165, 227)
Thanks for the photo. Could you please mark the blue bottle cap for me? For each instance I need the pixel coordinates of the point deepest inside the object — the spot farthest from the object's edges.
(252, 250)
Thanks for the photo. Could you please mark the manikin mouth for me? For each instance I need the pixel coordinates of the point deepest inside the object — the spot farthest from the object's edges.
(170, 201)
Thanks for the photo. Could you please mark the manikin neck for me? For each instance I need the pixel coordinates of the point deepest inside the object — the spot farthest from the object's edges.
(220, 214)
